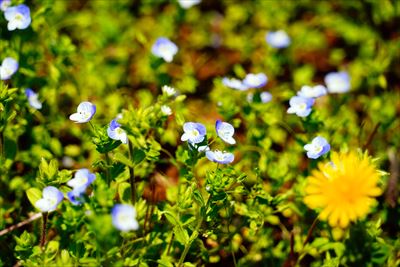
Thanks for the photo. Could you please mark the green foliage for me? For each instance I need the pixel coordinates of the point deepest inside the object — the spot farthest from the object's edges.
(191, 211)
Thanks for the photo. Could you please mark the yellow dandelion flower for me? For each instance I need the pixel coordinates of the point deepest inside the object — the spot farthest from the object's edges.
(345, 189)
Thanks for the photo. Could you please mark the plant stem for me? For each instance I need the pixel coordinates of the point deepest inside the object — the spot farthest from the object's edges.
(107, 168)
(44, 228)
(170, 243)
(132, 175)
(20, 224)
(1, 145)
(314, 224)
(194, 233)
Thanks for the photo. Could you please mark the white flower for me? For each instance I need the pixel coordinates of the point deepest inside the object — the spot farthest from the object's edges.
(164, 48)
(51, 197)
(18, 17)
(265, 97)
(168, 91)
(337, 82)
(219, 156)
(166, 110)
(4, 4)
(225, 131)
(194, 132)
(86, 111)
(234, 84)
(300, 105)
(82, 179)
(188, 3)
(8, 67)
(115, 132)
(255, 80)
(33, 99)
(278, 39)
(124, 217)
(312, 92)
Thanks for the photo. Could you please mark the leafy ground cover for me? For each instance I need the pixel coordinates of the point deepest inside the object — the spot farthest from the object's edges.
(199, 133)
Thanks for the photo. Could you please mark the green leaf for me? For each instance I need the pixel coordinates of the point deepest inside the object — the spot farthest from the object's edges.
(124, 193)
(33, 195)
(123, 159)
(181, 234)
(171, 217)
(138, 155)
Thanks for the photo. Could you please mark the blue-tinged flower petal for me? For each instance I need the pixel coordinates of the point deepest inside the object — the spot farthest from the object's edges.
(124, 217)
(33, 99)
(234, 84)
(219, 156)
(86, 111)
(18, 17)
(318, 147)
(4, 4)
(185, 4)
(312, 92)
(115, 132)
(265, 97)
(51, 197)
(74, 197)
(301, 106)
(278, 39)
(193, 132)
(8, 67)
(82, 179)
(337, 82)
(164, 48)
(255, 80)
(225, 131)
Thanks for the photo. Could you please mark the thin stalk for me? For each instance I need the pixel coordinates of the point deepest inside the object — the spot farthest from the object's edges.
(132, 175)
(108, 176)
(1, 145)
(170, 243)
(310, 231)
(91, 124)
(20, 224)
(193, 235)
(44, 229)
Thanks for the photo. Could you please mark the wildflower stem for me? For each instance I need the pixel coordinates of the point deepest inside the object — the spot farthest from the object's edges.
(170, 243)
(91, 124)
(107, 168)
(194, 233)
(371, 136)
(20, 224)
(45, 216)
(132, 175)
(314, 224)
(1, 144)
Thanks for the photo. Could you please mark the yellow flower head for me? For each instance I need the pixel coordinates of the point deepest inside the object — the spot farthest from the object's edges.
(344, 188)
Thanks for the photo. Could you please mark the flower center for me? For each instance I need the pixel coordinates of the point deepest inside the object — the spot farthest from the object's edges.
(194, 133)
(119, 130)
(302, 106)
(82, 181)
(18, 17)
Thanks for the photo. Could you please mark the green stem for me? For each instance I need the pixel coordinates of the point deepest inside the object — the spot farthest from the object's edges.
(194, 234)
(132, 175)
(170, 243)
(107, 168)
(44, 229)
